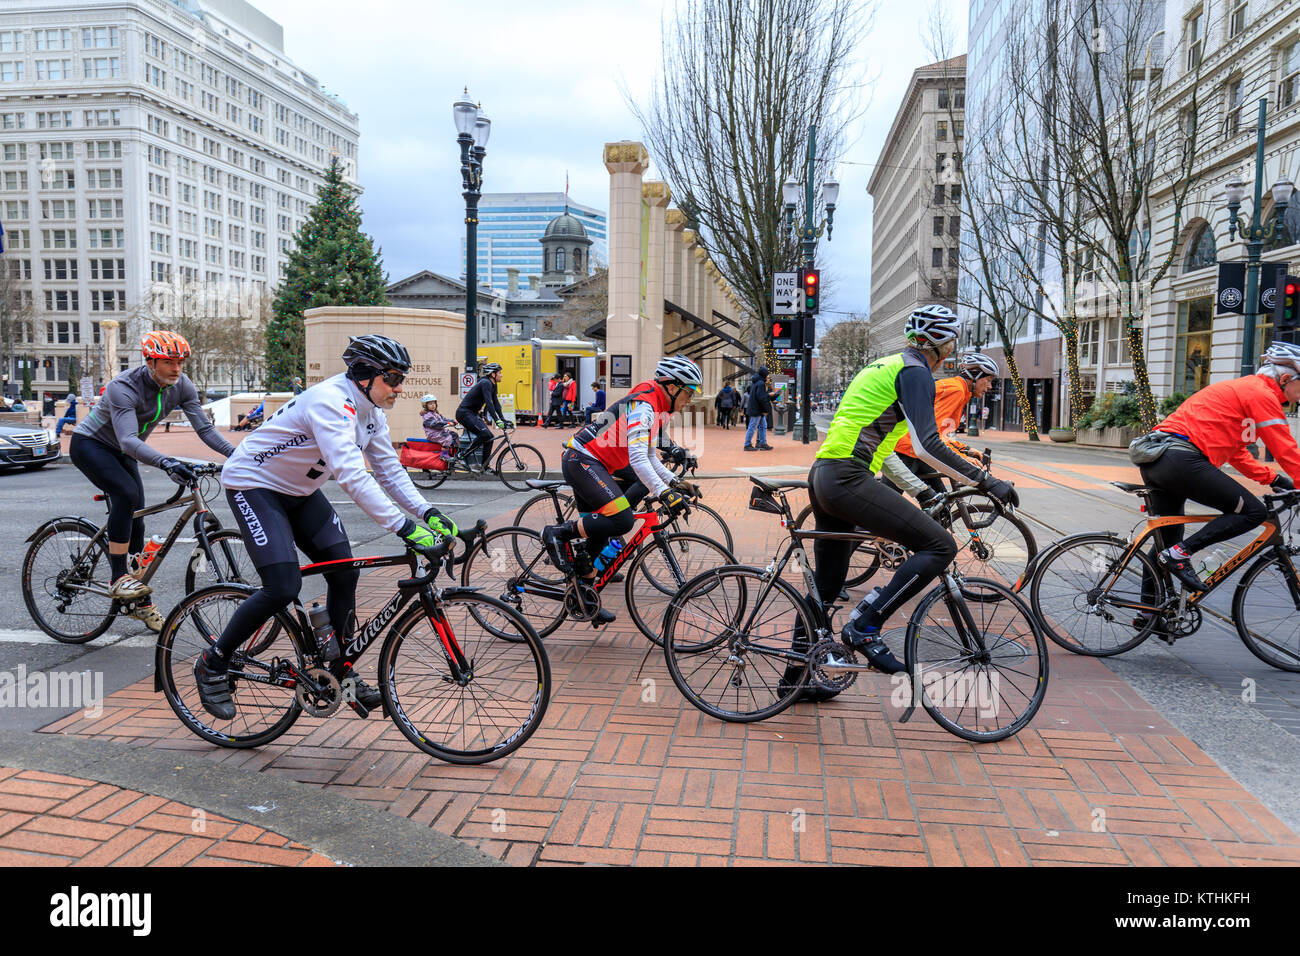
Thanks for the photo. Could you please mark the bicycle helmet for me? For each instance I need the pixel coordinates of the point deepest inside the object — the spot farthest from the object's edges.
(933, 325)
(974, 364)
(1284, 355)
(426, 399)
(680, 371)
(488, 368)
(168, 345)
(368, 355)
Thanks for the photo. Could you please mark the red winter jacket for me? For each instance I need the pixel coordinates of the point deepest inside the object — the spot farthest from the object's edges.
(1222, 419)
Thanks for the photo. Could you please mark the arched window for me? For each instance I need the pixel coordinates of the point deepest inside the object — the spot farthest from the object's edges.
(577, 260)
(1292, 220)
(1201, 251)
(546, 260)
(559, 260)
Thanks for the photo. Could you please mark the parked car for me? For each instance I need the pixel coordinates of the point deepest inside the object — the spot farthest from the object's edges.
(27, 446)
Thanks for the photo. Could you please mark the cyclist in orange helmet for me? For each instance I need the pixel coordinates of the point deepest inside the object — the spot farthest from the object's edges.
(109, 442)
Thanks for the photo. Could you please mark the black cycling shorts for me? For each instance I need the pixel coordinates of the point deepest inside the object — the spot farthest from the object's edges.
(271, 523)
(595, 490)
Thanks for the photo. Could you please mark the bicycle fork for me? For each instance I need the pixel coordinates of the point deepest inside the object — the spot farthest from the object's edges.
(462, 669)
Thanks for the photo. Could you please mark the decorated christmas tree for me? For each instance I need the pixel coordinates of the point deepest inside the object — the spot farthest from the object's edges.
(332, 263)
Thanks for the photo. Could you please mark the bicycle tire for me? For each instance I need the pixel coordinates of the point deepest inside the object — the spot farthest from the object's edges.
(717, 603)
(503, 561)
(518, 463)
(662, 565)
(1008, 541)
(426, 478)
(707, 526)
(1014, 650)
(864, 561)
(1284, 657)
(538, 512)
(65, 540)
(1059, 595)
(263, 711)
(233, 563)
(513, 665)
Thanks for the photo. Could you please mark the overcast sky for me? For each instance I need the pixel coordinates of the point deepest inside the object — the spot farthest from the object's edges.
(551, 78)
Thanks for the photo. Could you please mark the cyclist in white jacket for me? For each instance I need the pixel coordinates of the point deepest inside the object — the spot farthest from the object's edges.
(273, 483)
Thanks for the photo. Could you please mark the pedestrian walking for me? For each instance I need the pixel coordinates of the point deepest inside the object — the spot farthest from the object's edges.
(556, 403)
(758, 405)
(726, 403)
(570, 400)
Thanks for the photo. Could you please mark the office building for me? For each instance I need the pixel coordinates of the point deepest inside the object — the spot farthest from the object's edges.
(511, 226)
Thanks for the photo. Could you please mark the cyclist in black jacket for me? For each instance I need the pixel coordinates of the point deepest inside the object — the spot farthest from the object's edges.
(483, 396)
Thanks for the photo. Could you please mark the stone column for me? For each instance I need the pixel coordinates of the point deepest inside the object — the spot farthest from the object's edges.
(656, 195)
(108, 333)
(627, 162)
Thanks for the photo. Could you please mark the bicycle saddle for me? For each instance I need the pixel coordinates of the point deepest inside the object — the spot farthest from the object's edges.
(1131, 488)
(539, 485)
(768, 485)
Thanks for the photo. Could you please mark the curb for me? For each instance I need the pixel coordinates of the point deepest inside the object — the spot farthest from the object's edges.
(335, 826)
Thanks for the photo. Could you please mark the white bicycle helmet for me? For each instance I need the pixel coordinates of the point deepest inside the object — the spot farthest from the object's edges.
(426, 399)
(1283, 355)
(680, 371)
(933, 325)
(974, 364)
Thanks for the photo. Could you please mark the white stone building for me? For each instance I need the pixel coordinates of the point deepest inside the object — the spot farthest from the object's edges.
(147, 142)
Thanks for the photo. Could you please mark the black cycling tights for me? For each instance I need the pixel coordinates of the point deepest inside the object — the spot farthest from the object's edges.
(844, 494)
(118, 476)
(271, 524)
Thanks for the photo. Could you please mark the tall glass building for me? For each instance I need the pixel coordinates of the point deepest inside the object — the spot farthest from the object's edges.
(511, 225)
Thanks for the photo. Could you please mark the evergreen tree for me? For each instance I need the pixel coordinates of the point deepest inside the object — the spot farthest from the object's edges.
(332, 263)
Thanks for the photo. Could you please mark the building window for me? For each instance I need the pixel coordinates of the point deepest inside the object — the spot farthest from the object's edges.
(954, 225)
(952, 257)
(1117, 347)
(1195, 40)
(11, 71)
(1192, 349)
(941, 131)
(939, 160)
(938, 193)
(1089, 339)
(1237, 16)
(938, 225)
(1288, 90)
(1201, 251)
(936, 258)
(954, 192)
(1232, 107)
(53, 39)
(98, 38)
(577, 260)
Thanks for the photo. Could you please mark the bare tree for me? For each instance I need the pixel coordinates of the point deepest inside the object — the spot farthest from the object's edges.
(586, 303)
(842, 351)
(17, 315)
(224, 328)
(728, 122)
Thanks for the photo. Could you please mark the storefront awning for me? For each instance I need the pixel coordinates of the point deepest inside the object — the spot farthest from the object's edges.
(708, 330)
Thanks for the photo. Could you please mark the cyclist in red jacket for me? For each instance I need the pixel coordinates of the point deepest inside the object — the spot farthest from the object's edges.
(1212, 427)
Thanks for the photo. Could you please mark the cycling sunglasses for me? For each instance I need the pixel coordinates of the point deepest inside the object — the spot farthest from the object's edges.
(393, 379)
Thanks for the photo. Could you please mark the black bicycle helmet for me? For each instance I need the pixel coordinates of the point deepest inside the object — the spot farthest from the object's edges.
(368, 355)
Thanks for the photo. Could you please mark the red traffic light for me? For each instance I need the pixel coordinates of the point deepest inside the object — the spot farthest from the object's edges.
(810, 282)
(776, 330)
(1292, 288)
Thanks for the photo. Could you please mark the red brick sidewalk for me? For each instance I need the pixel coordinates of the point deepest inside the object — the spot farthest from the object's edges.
(48, 819)
(624, 771)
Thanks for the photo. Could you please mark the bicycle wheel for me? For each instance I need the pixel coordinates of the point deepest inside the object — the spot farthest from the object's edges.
(423, 478)
(1078, 595)
(538, 511)
(659, 569)
(58, 565)
(1001, 550)
(263, 709)
(985, 686)
(233, 565)
(479, 717)
(517, 463)
(864, 562)
(704, 520)
(727, 641)
(1265, 611)
(511, 565)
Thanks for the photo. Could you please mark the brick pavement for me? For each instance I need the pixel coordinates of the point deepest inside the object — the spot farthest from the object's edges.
(49, 819)
(625, 772)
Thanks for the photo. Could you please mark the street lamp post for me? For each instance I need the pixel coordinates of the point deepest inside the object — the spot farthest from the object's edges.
(472, 130)
(808, 234)
(1255, 235)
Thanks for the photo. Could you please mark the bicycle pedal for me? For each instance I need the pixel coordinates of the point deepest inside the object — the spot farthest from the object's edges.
(358, 708)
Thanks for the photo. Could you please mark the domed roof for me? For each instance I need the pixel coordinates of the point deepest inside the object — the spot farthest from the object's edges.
(564, 225)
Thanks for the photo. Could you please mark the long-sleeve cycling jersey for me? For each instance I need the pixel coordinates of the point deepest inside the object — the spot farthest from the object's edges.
(890, 397)
(330, 429)
(1223, 418)
(483, 396)
(132, 406)
(626, 435)
(951, 396)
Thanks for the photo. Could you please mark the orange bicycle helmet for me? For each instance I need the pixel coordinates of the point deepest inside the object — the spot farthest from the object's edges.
(168, 345)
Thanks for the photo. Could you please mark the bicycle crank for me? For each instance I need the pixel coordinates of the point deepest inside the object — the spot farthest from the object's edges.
(823, 653)
(319, 692)
(582, 602)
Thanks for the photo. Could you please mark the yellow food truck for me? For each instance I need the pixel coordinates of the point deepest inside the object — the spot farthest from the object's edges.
(527, 367)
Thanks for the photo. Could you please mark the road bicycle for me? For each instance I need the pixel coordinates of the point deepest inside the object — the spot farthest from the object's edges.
(1100, 594)
(742, 643)
(539, 511)
(462, 675)
(993, 541)
(513, 564)
(65, 575)
(514, 464)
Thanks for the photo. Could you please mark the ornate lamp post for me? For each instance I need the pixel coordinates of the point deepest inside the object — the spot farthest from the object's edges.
(472, 131)
(1255, 235)
(808, 233)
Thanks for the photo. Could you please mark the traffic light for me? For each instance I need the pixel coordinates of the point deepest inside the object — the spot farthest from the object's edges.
(779, 332)
(1288, 314)
(811, 290)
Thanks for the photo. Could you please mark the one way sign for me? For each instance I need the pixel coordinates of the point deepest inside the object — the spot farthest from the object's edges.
(785, 293)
